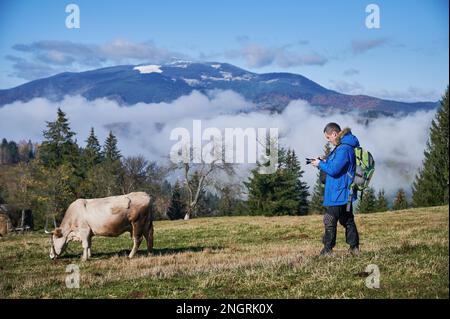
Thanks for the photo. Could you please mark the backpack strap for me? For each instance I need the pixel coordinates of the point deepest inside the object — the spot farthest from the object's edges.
(351, 187)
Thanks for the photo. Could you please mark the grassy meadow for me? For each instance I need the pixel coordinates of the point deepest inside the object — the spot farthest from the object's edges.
(242, 257)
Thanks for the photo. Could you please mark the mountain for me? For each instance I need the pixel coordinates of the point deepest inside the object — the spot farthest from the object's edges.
(128, 84)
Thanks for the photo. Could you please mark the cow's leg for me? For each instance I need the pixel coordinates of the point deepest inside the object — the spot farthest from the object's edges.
(89, 240)
(85, 250)
(149, 237)
(86, 244)
(137, 239)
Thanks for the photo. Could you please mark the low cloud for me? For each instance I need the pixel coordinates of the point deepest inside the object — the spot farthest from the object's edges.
(396, 143)
(409, 94)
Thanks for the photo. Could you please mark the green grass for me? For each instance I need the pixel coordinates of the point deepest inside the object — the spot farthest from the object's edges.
(242, 257)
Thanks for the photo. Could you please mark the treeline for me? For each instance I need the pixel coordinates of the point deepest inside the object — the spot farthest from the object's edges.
(13, 153)
(278, 194)
(371, 202)
(431, 184)
(46, 178)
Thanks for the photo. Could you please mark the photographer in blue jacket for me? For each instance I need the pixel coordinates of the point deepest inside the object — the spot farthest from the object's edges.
(339, 167)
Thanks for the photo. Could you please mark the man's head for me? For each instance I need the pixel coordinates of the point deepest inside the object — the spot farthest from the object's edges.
(331, 132)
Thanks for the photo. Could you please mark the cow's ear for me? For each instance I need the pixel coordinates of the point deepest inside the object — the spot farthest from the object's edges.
(58, 233)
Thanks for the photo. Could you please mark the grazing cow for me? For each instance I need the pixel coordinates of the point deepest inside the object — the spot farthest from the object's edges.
(109, 216)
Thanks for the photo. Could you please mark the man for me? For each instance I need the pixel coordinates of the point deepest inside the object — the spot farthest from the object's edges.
(339, 167)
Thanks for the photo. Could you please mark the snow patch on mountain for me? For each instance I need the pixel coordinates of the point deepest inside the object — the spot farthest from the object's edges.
(180, 64)
(191, 82)
(151, 68)
(226, 76)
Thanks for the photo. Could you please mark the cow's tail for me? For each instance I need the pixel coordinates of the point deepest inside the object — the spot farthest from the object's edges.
(149, 225)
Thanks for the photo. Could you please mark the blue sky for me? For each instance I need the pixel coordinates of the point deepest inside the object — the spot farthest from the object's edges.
(326, 41)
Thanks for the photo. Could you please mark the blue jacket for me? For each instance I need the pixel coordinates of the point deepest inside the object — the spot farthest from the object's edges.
(340, 167)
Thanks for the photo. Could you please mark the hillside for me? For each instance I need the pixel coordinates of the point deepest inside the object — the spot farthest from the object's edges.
(243, 257)
(129, 84)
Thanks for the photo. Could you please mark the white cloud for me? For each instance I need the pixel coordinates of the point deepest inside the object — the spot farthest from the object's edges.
(361, 46)
(257, 55)
(409, 94)
(44, 58)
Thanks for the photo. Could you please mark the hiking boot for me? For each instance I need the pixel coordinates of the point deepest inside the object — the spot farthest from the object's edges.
(325, 252)
(354, 251)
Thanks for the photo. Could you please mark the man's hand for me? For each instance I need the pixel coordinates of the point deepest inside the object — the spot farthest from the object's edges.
(316, 162)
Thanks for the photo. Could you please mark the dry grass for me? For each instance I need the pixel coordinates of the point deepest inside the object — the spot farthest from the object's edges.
(243, 257)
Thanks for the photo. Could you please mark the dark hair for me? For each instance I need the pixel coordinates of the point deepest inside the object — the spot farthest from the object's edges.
(332, 127)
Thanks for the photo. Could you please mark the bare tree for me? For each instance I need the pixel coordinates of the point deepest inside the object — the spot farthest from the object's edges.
(135, 173)
(200, 174)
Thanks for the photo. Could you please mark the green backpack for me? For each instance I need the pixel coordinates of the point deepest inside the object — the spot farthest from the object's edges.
(365, 167)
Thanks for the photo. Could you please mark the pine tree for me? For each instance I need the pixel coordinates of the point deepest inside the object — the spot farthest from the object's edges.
(400, 201)
(31, 153)
(227, 202)
(13, 152)
(110, 149)
(177, 208)
(431, 185)
(316, 205)
(58, 147)
(9, 152)
(92, 152)
(299, 192)
(260, 189)
(208, 206)
(5, 157)
(367, 204)
(280, 193)
(381, 204)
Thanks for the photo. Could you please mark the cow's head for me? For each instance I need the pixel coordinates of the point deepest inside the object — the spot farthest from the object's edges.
(59, 243)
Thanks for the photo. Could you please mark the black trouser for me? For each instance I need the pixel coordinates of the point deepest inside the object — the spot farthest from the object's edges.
(346, 219)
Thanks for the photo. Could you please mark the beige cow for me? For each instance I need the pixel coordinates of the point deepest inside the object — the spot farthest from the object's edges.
(109, 216)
